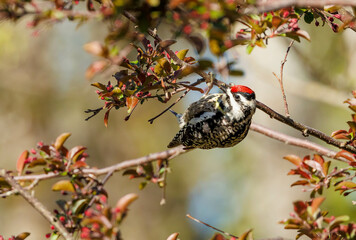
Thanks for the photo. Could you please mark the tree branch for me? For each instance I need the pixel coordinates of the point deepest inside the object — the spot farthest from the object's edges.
(37, 205)
(168, 154)
(296, 142)
(305, 129)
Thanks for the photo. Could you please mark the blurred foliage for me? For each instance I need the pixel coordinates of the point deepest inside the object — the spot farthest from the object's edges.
(157, 73)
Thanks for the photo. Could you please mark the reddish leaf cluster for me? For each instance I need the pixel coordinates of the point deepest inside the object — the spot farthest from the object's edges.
(310, 221)
(150, 173)
(152, 75)
(350, 134)
(52, 158)
(100, 221)
(315, 174)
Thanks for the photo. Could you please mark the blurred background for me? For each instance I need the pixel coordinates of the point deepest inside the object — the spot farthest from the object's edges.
(43, 93)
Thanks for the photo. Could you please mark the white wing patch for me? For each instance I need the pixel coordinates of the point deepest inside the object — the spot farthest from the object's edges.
(202, 117)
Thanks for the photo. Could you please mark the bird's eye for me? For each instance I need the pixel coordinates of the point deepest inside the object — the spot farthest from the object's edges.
(237, 96)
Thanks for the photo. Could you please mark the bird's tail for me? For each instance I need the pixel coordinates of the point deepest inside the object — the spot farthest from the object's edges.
(178, 116)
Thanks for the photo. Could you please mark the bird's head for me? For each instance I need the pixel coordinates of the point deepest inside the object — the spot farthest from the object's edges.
(240, 90)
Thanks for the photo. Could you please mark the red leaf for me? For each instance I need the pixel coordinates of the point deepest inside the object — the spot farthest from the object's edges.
(60, 140)
(95, 68)
(21, 161)
(106, 118)
(333, 134)
(79, 164)
(131, 103)
(300, 182)
(95, 48)
(299, 207)
(347, 155)
(173, 236)
(125, 201)
(75, 152)
(316, 203)
(319, 159)
(293, 159)
(300, 172)
(315, 165)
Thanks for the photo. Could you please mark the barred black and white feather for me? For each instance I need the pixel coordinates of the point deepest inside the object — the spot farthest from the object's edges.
(217, 120)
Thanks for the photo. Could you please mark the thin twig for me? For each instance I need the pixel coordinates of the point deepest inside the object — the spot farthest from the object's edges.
(170, 106)
(296, 142)
(305, 129)
(280, 80)
(226, 233)
(37, 205)
(163, 200)
(14, 191)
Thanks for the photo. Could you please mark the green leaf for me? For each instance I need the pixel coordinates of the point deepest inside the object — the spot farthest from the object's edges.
(37, 162)
(54, 236)
(308, 17)
(63, 185)
(237, 73)
(182, 53)
(205, 64)
(79, 206)
(249, 49)
(338, 220)
(99, 85)
(245, 235)
(142, 185)
(345, 185)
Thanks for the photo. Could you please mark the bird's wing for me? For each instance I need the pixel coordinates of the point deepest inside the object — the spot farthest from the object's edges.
(205, 107)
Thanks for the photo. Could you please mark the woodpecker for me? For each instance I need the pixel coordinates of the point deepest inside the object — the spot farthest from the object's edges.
(217, 120)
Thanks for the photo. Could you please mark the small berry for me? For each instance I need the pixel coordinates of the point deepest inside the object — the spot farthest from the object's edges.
(285, 14)
(48, 235)
(176, 16)
(187, 29)
(103, 199)
(98, 207)
(85, 232)
(331, 19)
(52, 227)
(88, 212)
(40, 144)
(317, 23)
(95, 225)
(204, 25)
(338, 16)
(265, 14)
(62, 218)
